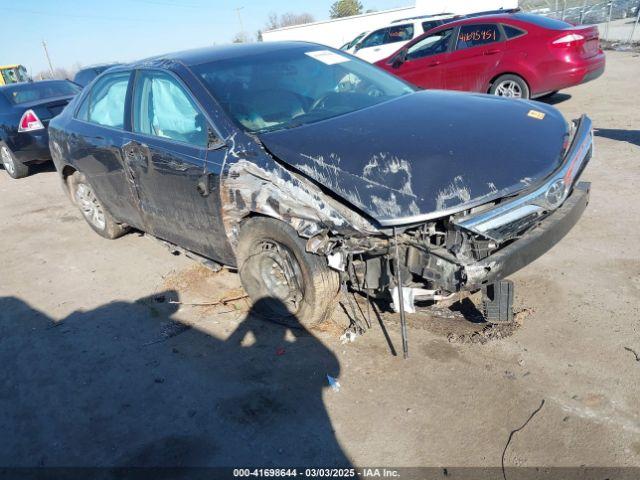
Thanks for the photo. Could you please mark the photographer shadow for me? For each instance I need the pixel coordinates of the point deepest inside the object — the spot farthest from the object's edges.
(128, 385)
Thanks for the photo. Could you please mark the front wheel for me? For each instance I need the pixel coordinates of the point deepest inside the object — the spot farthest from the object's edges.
(92, 209)
(510, 86)
(287, 284)
(14, 168)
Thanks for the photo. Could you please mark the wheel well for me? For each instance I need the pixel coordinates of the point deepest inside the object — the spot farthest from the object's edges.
(67, 171)
(507, 73)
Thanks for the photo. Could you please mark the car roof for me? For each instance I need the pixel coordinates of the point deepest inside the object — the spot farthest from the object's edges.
(518, 16)
(425, 18)
(211, 54)
(97, 66)
(493, 18)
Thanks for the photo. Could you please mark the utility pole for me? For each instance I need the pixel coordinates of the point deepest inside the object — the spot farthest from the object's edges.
(240, 18)
(635, 25)
(46, 53)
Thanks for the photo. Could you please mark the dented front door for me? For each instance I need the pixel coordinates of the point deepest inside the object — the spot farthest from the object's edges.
(168, 158)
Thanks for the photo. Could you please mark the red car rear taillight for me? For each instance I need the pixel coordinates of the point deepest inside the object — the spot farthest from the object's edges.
(569, 40)
(29, 122)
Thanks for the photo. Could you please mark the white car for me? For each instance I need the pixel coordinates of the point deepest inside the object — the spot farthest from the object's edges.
(378, 44)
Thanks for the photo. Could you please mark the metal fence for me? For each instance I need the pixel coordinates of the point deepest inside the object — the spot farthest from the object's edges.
(617, 20)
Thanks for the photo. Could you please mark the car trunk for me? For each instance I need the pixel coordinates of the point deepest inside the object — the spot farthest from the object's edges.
(591, 45)
(426, 154)
(48, 108)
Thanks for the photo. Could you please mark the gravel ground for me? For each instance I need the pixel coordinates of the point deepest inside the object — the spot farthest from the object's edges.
(99, 366)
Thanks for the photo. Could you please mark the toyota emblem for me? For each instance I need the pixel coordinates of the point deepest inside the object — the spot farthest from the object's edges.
(555, 194)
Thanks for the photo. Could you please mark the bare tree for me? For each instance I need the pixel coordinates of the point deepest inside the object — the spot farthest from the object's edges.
(241, 37)
(59, 73)
(287, 20)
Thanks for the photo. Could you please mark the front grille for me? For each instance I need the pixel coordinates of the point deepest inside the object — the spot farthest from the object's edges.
(513, 229)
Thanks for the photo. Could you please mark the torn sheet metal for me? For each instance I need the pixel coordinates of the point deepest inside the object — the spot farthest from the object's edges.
(256, 184)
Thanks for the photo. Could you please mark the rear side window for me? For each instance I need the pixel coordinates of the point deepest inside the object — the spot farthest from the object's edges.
(104, 105)
(426, 26)
(401, 33)
(477, 35)
(397, 33)
(512, 32)
(162, 108)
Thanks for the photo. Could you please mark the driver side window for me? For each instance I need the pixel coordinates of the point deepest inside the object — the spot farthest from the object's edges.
(431, 45)
(162, 108)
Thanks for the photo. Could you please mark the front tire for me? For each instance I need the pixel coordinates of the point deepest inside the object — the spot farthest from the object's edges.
(14, 168)
(287, 284)
(510, 86)
(98, 218)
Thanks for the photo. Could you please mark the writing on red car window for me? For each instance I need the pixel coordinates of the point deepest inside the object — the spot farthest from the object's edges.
(478, 35)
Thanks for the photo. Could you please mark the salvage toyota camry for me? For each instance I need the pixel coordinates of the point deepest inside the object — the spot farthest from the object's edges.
(307, 169)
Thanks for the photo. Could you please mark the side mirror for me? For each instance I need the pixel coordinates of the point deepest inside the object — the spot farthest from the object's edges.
(399, 59)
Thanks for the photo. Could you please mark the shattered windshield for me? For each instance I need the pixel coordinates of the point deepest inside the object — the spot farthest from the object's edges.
(296, 86)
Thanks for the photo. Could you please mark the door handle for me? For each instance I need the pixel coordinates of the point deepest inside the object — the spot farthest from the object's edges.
(492, 52)
(434, 63)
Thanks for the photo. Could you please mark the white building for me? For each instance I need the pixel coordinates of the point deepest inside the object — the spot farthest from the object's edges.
(336, 33)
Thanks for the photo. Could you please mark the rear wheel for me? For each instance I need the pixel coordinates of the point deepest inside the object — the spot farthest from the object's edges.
(286, 284)
(92, 209)
(14, 168)
(510, 86)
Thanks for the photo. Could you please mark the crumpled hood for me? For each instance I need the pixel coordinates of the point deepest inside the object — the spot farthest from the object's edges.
(426, 154)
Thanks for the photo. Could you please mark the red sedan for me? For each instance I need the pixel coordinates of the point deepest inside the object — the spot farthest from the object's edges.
(512, 55)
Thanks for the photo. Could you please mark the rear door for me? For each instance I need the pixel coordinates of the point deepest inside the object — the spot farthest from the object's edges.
(96, 141)
(476, 57)
(426, 59)
(168, 156)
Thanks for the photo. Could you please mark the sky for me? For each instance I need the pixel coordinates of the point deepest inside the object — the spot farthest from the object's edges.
(90, 32)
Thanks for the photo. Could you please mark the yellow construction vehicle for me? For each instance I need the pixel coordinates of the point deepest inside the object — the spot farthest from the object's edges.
(13, 74)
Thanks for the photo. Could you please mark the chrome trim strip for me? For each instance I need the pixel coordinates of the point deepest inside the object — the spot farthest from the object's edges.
(574, 162)
(511, 216)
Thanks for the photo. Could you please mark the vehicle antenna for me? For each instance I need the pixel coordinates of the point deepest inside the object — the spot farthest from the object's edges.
(403, 319)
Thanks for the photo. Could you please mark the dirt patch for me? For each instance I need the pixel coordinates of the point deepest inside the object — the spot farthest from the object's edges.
(441, 351)
(620, 46)
(200, 285)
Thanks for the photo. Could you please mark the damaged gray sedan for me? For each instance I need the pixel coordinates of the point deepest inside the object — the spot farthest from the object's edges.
(308, 169)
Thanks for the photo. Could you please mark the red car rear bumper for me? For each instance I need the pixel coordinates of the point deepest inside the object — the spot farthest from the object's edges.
(575, 74)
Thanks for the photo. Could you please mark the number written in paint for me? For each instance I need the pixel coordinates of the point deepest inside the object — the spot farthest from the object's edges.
(479, 35)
